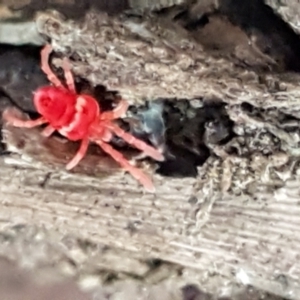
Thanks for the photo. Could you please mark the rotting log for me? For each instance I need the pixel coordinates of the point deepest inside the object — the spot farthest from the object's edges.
(233, 223)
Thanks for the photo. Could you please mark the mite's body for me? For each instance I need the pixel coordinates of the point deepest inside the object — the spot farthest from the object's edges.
(78, 117)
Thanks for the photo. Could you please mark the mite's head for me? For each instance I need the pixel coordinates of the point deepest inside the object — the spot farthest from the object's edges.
(57, 105)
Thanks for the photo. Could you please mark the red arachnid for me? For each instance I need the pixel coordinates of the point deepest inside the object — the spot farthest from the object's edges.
(78, 117)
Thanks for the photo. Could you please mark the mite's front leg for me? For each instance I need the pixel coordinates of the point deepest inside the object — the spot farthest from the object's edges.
(11, 116)
(49, 130)
(79, 155)
(139, 144)
(45, 54)
(118, 112)
(135, 172)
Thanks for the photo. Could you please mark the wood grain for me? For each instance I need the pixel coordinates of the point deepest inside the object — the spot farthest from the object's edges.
(186, 224)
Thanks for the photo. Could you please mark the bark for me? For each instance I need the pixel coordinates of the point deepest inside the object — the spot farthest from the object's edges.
(174, 66)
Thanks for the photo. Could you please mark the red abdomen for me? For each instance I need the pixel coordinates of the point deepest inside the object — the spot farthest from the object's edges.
(70, 114)
(55, 104)
(87, 113)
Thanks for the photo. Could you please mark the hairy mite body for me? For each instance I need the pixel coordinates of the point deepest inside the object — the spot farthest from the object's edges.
(78, 117)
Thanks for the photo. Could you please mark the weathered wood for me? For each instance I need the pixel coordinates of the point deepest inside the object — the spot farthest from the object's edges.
(157, 58)
(185, 223)
(236, 222)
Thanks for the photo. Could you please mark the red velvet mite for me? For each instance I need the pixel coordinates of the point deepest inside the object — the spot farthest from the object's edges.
(79, 117)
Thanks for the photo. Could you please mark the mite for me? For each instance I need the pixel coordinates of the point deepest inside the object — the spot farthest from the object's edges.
(79, 118)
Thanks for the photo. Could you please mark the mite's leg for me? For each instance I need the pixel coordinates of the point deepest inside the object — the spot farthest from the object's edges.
(48, 131)
(68, 75)
(79, 155)
(130, 139)
(118, 112)
(135, 172)
(11, 118)
(45, 53)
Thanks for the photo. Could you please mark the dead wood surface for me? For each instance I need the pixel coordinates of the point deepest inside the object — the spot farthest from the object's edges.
(216, 240)
(237, 222)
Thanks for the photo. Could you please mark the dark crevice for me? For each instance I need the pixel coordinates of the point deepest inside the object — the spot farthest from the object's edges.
(198, 23)
(265, 28)
(274, 35)
(189, 132)
(20, 74)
